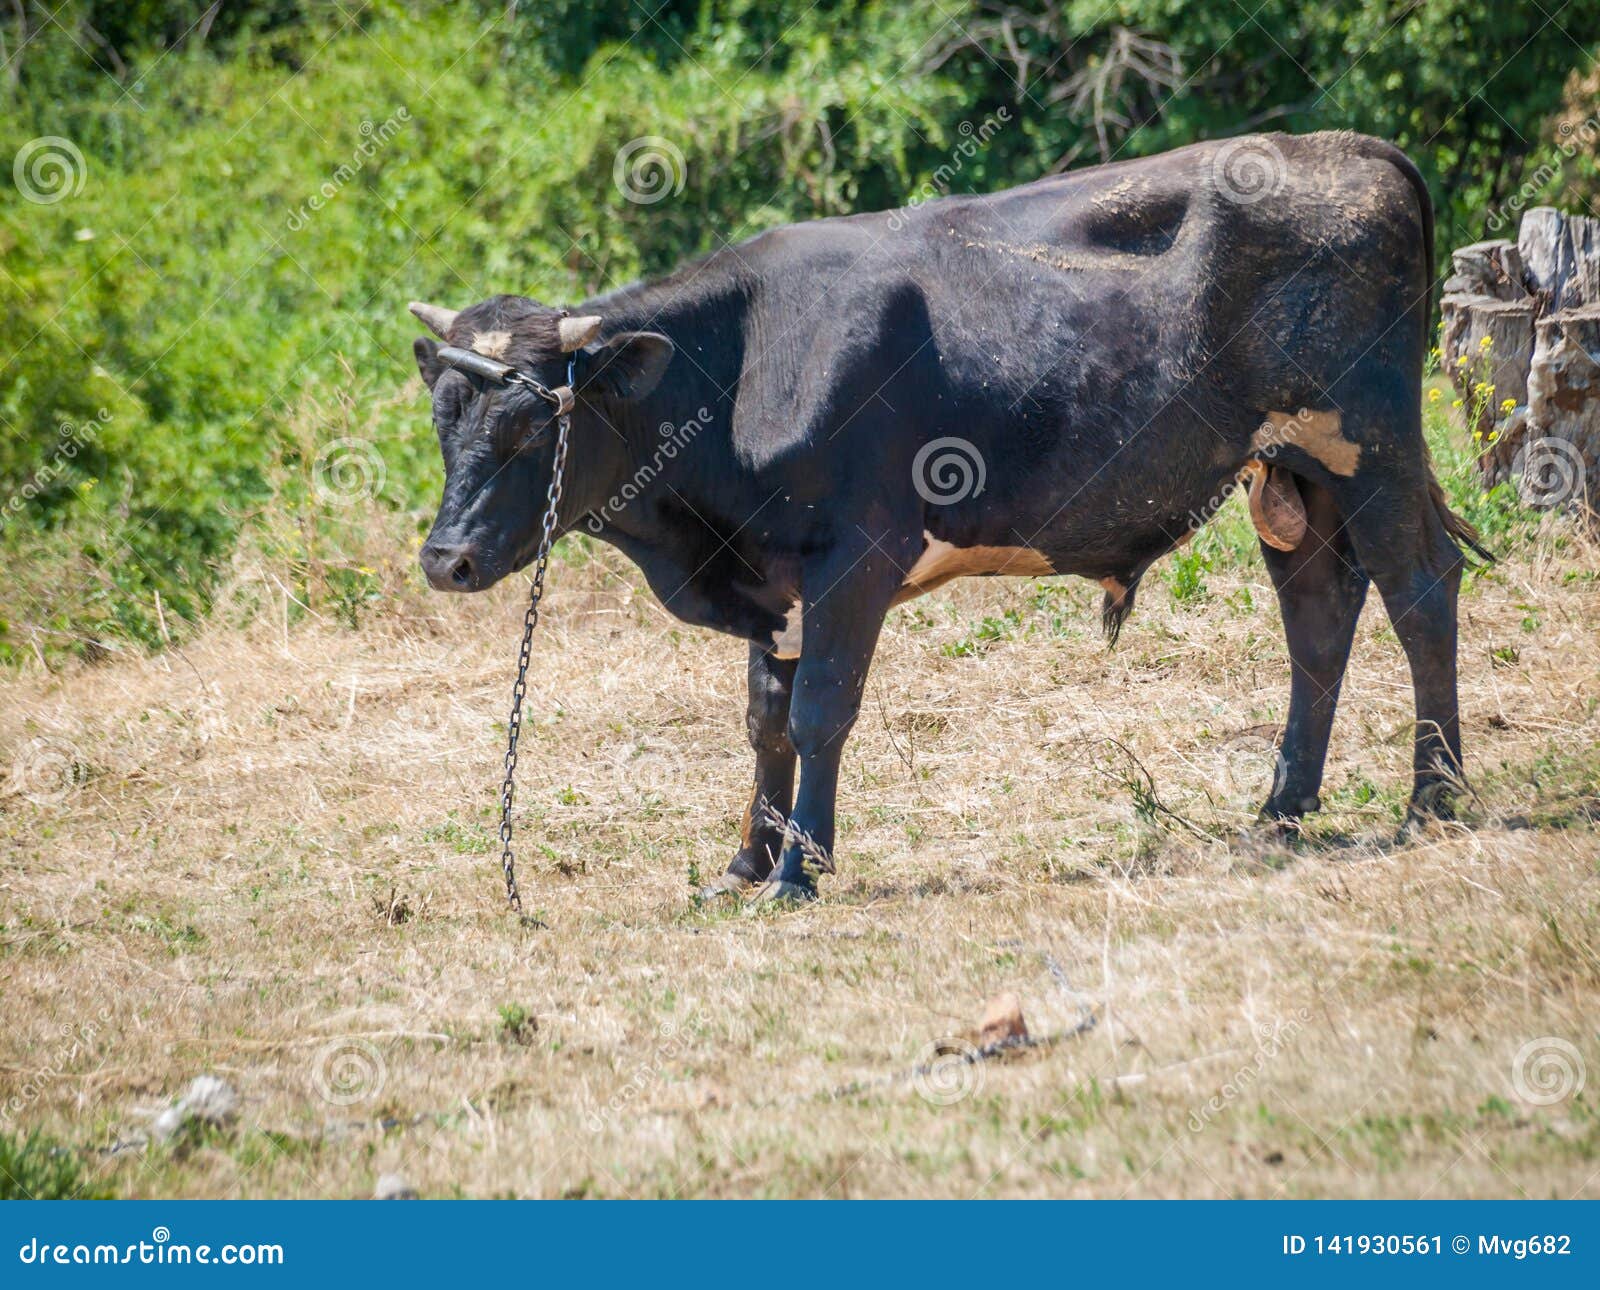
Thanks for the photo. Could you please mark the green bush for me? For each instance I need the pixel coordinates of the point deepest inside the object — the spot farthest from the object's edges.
(37, 1168)
(220, 305)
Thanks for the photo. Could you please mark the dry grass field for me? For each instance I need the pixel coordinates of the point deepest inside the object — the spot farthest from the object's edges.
(269, 856)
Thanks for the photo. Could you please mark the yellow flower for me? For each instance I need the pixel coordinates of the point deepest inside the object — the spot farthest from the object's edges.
(1486, 343)
(1456, 404)
(1435, 394)
(1508, 405)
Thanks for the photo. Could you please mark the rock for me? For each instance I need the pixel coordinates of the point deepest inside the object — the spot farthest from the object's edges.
(1562, 255)
(166, 1125)
(1487, 269)
(212, 1100)
(392, 1187)
(1002, 1020)
(1495, 338)
(208, 1100)
(1560, 465)
(1521, 343)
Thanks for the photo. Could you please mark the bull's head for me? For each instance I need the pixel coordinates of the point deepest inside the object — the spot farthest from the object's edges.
(498, 438)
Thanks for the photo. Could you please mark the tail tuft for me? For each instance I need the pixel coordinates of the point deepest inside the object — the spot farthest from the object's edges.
(1461, 532)
(1116, 607)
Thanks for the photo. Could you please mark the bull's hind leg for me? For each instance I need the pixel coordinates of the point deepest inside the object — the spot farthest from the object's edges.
(1397, 525)
(1321, 587)
(1420, 597)
(771, 681)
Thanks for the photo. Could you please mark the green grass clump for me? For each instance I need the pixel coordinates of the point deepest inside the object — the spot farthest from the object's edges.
(39, 1168)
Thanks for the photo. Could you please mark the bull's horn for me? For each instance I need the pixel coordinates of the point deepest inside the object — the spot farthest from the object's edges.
(575, 333)
(437, 318)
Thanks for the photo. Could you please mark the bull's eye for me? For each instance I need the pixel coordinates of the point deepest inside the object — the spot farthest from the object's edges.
(531, 436)
(513, 426)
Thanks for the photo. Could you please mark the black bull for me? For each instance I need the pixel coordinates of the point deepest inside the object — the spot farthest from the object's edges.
(1063, 378)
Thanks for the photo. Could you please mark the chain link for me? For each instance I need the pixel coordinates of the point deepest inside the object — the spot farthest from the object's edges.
(530, 620)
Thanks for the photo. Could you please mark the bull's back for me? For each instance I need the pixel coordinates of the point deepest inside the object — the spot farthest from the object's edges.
(1155, 313)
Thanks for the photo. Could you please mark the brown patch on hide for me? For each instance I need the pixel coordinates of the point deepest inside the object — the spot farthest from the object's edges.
(492, 344)
(787, 643)
(1319, 435)
(941, 562)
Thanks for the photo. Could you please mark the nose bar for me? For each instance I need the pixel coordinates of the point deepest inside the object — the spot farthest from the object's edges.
(467, 360)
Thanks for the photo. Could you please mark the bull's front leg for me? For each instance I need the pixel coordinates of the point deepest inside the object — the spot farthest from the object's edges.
(771, 682)
(844, 598)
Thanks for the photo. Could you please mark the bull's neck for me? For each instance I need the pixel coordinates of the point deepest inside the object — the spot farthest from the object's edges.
(701, 317)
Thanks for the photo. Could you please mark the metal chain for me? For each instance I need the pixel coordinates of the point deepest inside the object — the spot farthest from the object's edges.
(530, 620)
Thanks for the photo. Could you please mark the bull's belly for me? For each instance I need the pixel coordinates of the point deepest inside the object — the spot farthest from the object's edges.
(939, 562)
(1275, 508)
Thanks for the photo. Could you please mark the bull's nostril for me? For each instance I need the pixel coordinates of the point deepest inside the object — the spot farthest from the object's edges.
(450, 567)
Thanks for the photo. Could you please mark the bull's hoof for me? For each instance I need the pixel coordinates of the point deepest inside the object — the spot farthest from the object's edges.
(1420, 825)
(779, 893)
(1278, 828)
(727, 888)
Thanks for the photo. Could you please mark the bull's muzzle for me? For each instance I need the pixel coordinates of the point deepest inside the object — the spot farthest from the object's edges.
(452, 567)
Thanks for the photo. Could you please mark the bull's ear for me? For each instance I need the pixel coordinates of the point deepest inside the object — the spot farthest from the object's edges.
(625, 366)
(427, 360)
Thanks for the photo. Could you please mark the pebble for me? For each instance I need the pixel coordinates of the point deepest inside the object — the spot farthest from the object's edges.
(393, 1187)
(208, 1100)
(1002, 1020)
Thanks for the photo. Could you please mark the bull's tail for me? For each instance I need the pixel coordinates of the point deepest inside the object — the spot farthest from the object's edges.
(1460, 531)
